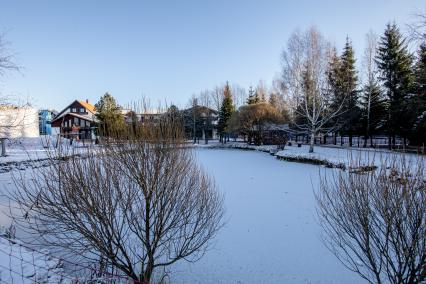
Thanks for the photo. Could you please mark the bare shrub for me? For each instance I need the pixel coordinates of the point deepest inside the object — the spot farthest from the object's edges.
(375, 223)
(140, 203)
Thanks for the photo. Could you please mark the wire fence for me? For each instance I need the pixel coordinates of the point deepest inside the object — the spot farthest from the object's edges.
(20, 263)
(357, 141)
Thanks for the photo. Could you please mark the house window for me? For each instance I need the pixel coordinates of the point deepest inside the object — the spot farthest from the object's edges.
(82, 109)
(75, 121)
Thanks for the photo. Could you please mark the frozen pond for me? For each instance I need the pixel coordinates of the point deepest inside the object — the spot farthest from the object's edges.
(271, 235)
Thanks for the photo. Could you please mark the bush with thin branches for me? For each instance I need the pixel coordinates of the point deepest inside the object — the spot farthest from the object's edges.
(139, 204)
(375, 222)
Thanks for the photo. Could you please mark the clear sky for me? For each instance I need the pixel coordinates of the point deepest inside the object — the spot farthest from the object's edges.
(169, 49)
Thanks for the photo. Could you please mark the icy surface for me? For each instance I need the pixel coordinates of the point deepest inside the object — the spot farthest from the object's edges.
(271, 234)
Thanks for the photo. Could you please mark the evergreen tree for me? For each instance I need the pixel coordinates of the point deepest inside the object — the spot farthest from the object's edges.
(253, 97)
(260, 95)
(418, 136)
(348, 81)
(273, 100)
(225, 113)
(334, 91)
(373, 109)
(110, 119)
(394, 63)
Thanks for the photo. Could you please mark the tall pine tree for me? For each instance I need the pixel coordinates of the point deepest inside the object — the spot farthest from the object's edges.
(418, 136)
(335, 95)
(349, 79)
(373, 110)
(226, 110)
(394, 63)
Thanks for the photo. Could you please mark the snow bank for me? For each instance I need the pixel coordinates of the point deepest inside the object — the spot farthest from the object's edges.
(331, 157)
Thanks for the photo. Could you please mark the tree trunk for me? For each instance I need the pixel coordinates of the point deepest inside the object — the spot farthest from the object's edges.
(389, 142)
(311, 144)
(3, 147)
(148, 271)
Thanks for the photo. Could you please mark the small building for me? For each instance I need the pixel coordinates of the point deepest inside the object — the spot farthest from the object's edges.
(45, 117)
(200, 122)
(271, 134)
(148, 116)
(77, 120)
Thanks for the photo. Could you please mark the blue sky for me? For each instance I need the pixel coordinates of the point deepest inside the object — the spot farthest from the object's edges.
(169, 49)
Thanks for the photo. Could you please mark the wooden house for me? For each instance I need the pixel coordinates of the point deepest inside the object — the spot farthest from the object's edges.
(77, 120)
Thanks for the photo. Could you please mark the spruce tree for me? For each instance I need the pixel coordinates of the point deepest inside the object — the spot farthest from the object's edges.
(372, 108)
(335, 95)
(394, 63)
(253, 97)
(418, 136)
(348, 81)
(225, 113)
(109, 116)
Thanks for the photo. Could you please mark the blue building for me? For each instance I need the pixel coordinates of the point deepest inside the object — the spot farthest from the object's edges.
(45, 121)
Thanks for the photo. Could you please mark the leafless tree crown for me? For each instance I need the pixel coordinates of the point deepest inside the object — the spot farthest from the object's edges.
(140, 203)
(375, 222)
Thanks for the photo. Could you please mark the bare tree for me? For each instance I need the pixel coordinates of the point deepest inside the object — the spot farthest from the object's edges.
(375, 221)
(239, 95)
(251, 120)
(217, 97)
(371, 87)
(7, 62)
(204, 99)
(11, 116)
(304, 76)
(140, 203)
(417, 28)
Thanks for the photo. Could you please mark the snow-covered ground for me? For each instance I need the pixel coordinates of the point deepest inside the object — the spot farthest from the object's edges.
(23, 149)
(332, 156)
(271, 234)
(23, 153)
(21, 265)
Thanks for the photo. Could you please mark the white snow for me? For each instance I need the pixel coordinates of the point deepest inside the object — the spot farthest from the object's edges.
(333, 155)
(271, 234)
(21, 265)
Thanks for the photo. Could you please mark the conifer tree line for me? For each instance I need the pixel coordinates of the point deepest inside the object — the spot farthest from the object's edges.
(389, 100)
(331, 97)
(324, 93)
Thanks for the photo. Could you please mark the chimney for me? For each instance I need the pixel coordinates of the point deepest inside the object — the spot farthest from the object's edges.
(87, 101)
